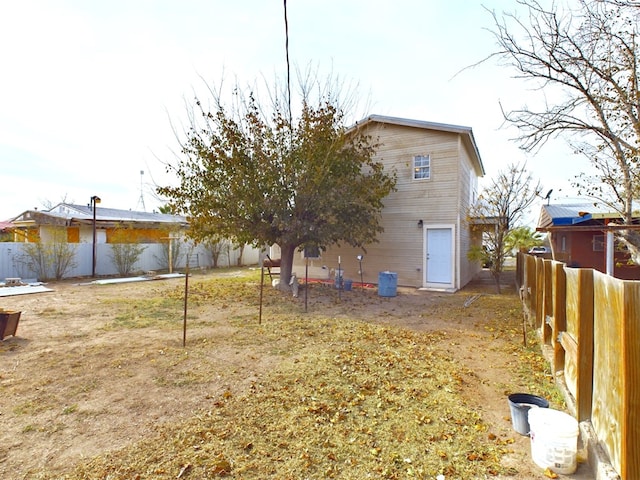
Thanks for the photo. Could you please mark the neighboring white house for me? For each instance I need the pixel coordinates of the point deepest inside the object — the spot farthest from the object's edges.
(91, 234)
(426, 230)
(110, 224)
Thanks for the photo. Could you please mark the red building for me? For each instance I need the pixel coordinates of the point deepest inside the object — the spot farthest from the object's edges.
(578, 236)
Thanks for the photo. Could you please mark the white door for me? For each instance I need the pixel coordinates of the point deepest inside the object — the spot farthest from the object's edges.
(439, 256)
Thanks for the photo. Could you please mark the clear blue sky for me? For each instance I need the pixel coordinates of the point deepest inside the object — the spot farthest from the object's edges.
(88, 88)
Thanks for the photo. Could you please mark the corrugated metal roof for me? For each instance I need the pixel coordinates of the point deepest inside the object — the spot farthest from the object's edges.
(575, 213)
(85, 212)
(443, 127)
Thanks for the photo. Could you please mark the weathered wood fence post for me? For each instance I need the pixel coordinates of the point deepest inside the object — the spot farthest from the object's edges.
(559, 292)
(577, 340)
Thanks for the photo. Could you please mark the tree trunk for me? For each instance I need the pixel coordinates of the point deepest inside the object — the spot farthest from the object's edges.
(286, 266)
(496, 277)
(496, 271)
(240, 253)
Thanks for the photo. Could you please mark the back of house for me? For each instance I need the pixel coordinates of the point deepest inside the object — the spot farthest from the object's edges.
(426, 232)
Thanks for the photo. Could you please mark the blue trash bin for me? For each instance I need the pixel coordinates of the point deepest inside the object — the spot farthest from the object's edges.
(387, 284)
(347, 285)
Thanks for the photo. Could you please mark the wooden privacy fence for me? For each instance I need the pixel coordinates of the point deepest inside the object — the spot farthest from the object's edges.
(589, 324)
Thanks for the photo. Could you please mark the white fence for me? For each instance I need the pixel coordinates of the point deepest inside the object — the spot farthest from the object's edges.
(155, 257)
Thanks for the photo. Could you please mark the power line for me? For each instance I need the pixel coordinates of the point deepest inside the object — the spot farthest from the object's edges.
(286, 46)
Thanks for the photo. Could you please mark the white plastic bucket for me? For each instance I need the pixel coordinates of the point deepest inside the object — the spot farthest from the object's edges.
(554, 440)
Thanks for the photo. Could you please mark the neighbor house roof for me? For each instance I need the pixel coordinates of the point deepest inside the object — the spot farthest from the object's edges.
(68, 214)
(574, 214)
(465, 132)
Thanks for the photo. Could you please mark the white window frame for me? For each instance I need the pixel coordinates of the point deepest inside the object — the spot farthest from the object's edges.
(311, 253)
(419, 169)
(598, 243)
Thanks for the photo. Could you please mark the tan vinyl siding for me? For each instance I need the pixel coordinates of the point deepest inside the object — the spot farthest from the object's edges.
(436, 197)
(467, 269)
(440, 200)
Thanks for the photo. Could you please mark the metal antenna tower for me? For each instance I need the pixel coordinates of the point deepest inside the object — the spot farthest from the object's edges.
(141, 200)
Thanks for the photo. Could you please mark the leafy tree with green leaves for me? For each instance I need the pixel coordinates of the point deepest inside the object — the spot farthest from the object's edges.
(263, 179)
(522, 238)
(499, 208)
(165, 209)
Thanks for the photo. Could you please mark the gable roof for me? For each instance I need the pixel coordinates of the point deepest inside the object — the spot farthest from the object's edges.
(574, 214)
(69, 213)
(465, 132)
(114, 214)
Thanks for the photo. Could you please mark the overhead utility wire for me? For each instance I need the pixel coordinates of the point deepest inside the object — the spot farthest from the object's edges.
(286, 46)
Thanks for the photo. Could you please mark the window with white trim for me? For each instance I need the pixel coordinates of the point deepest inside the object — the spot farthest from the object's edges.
(598, 243)
(422, 167)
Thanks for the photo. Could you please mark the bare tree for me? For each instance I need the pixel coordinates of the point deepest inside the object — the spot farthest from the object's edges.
(586, 59)
(217, 247)
(50, 259)
(499, 208)
(124, 253)
(48, 204)
(240, 248)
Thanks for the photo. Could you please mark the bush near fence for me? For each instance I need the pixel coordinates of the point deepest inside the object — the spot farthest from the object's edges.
(589, 326)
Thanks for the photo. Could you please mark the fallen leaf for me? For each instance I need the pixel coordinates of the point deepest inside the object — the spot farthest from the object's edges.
(184, 470)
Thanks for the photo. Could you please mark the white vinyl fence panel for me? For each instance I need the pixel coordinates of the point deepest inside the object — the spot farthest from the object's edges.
(153, 258)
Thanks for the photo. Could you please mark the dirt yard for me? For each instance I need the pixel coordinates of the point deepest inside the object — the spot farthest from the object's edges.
(89, 372)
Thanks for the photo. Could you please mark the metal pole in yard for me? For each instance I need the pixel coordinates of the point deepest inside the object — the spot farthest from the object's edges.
(95, 199)
(186, 292)
(261, 288)
(339, 279)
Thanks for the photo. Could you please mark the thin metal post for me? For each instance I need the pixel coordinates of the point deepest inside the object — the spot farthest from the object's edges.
(261, 288)
(186, 293)
(339, 279)
(94, 199)
(93, 258)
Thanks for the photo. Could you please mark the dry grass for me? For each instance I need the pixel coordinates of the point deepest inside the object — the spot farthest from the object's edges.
(351, 400)
(348, 398)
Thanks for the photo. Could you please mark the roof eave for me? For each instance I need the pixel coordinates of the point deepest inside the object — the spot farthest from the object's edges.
(466, 132)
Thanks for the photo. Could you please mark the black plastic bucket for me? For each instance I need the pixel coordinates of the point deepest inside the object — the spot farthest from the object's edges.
(520, 403)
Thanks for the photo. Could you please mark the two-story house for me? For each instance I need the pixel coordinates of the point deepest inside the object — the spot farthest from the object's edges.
(426, 229)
